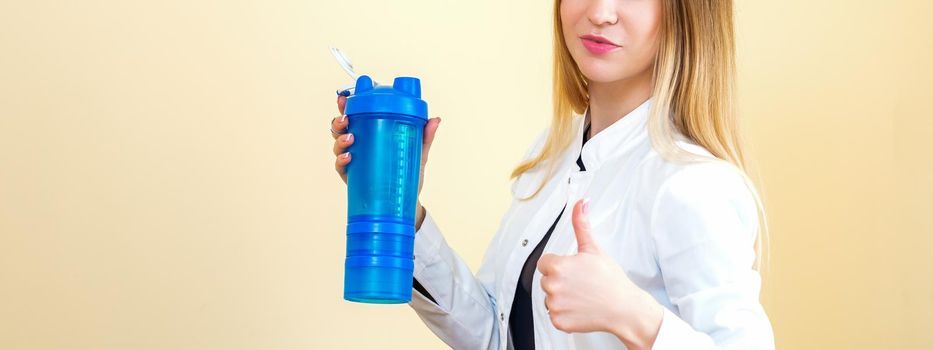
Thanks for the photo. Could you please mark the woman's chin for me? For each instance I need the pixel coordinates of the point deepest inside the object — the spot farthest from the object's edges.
(600, 74)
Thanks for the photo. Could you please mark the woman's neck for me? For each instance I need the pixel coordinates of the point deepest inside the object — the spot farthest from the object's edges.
(611, 101)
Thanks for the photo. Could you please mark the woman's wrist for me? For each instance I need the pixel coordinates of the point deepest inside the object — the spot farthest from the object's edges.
(419, 216)
(638, 327)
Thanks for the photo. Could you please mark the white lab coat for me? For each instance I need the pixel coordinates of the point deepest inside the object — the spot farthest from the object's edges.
(683, 232)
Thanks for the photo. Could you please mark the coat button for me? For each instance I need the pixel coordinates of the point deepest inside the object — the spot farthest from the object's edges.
(502, 316)
(524, 242)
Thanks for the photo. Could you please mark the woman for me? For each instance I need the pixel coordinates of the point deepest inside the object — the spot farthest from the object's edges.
(660, 245)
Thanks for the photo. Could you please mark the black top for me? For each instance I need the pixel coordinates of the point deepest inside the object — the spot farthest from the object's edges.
(521, 321)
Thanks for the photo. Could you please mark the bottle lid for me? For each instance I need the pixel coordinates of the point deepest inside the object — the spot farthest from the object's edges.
(402, 97)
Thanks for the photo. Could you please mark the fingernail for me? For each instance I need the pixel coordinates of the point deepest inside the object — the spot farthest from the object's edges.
(586, 204)
(343, 118)
(345, 155)
(348, 137)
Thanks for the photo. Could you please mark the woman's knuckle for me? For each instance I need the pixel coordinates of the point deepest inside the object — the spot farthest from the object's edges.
(556, 267)
(557, 321)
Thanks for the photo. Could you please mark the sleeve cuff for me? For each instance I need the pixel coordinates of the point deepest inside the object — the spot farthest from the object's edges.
(675, 333)
(431, 268)
(428, 241)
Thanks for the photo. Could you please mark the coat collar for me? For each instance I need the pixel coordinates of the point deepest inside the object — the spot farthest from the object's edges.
(613, 141)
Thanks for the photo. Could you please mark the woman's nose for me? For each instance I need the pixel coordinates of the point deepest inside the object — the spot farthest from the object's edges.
(602, 12)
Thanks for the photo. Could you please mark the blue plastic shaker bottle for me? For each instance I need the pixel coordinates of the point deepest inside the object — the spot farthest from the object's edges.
(387, 123)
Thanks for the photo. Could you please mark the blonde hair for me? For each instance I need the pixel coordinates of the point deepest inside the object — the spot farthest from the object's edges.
(694, 75)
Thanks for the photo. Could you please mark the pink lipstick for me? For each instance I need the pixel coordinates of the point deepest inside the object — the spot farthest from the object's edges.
(597, 44)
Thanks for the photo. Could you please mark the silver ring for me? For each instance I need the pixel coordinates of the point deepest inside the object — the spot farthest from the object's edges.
(334, 133)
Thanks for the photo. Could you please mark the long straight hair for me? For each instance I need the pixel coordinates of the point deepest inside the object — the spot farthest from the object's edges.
(694, 83)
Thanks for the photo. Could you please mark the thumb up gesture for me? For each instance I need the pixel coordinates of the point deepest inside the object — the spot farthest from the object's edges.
(590, 292)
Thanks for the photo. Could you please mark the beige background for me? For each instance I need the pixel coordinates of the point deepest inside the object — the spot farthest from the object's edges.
(166, 176)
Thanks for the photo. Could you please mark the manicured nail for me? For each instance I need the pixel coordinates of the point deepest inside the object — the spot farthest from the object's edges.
(348, 137)
(343, 118)
(345, 155)
(586, 204)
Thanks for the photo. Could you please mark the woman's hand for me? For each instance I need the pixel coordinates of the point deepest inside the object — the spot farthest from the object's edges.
(342, 140)
(590, 292)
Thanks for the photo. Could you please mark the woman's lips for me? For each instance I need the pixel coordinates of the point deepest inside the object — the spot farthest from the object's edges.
(597, 44)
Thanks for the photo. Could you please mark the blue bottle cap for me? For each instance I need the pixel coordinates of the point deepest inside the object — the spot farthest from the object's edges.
(403, 97)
